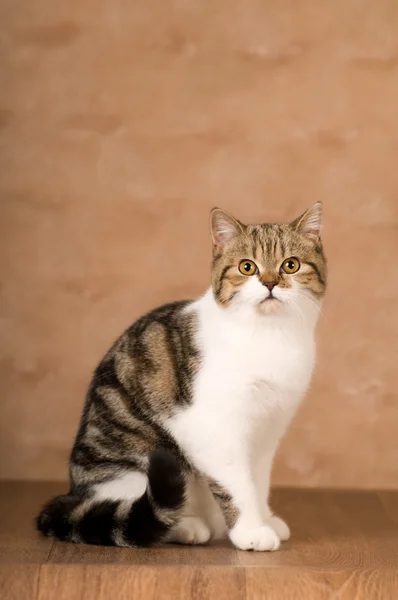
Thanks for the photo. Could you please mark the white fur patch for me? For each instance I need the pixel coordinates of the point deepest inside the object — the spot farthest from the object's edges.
(129, 486)
(255, 371)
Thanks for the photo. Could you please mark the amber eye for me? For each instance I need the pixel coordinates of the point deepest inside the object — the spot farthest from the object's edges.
(248, 267)
(290, 266)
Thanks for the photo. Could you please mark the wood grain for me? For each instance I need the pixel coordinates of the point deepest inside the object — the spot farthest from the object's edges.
(18, 506)
(344, 546)
(19, 581)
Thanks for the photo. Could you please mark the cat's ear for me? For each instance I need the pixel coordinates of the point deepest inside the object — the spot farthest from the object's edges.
(224, 227)
(310, 222)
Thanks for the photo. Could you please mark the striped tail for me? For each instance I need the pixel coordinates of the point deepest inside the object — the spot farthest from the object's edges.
(110, 522)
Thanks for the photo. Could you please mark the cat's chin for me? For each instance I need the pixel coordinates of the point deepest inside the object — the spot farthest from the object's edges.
(270, 306)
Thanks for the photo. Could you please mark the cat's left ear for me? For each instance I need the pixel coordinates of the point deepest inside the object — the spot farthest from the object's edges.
(310, 222)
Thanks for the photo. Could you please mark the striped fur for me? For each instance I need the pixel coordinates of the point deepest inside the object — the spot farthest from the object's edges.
(80, 518)
(146, 374)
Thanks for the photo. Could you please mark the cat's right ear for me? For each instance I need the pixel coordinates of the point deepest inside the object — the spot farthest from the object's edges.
(310, 222)
(224, 228)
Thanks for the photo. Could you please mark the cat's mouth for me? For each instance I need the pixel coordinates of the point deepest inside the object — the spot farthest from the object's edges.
(270, 298)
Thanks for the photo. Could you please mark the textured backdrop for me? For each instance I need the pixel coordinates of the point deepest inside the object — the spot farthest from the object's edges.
(122, 123)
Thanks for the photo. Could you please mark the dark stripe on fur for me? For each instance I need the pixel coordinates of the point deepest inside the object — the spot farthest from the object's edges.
(231, 297)
(142, 527)
(96, 526)
(254, 240)
(275, 244)
(262, 241)
(221, 280)
(283, 247)
(316, 270)
(91, 457)
(225, 502)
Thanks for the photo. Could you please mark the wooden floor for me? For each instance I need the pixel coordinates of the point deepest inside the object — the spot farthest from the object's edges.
(344, 546)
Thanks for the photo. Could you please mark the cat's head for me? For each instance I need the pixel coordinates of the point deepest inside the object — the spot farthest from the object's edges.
(270, 268)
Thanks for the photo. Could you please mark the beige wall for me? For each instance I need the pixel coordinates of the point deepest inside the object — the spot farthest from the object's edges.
(122, 123)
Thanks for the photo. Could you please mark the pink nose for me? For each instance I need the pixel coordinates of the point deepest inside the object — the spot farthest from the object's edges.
(269, 284)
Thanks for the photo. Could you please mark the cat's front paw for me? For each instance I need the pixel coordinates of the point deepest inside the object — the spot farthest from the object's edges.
(261, 539)
(280, 527)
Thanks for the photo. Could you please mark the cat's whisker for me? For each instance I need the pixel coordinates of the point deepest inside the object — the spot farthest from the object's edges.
(311, 301)
(298, 309)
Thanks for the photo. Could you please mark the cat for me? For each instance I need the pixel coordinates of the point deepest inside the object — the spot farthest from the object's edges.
(186, 410)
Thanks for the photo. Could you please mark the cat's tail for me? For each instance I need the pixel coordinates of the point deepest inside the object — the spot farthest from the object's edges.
(142, 522)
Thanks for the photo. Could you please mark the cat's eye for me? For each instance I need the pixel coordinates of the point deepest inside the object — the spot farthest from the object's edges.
(248, 267)
(291, 265)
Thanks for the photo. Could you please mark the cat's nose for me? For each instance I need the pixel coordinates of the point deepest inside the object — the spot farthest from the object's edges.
(269, 284)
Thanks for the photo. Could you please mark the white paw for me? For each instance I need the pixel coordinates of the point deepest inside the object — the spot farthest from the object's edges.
(261, 538)
(190, 530)
(280, 527)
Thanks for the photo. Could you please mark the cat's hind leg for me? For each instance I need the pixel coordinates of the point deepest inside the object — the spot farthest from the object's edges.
(193, 527)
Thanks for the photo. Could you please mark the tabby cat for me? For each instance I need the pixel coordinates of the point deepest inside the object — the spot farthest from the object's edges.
(185, 411)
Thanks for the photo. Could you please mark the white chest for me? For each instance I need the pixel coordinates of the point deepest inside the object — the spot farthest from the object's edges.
(253, 375)
(239, 358)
